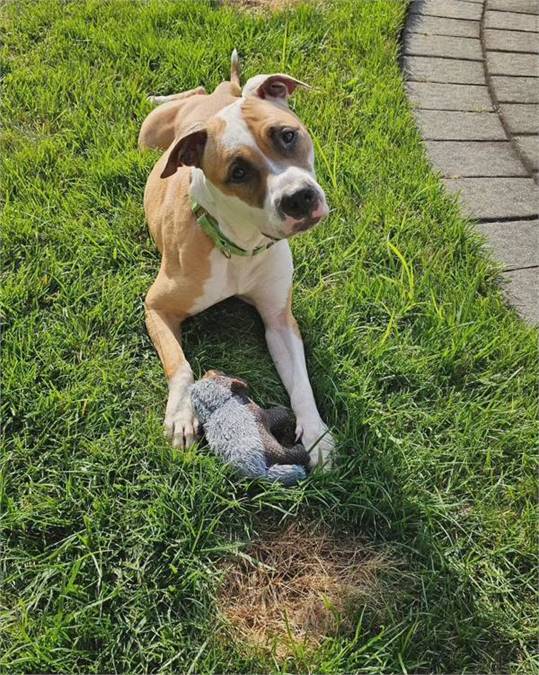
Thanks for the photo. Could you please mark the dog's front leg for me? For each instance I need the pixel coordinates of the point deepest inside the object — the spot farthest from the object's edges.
(286, 348)
(164, 331)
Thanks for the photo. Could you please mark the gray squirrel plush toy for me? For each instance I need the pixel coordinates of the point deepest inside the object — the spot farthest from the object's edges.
(257, 443)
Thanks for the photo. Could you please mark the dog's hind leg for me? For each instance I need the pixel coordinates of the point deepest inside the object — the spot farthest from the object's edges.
(157, 100)
(159, 128)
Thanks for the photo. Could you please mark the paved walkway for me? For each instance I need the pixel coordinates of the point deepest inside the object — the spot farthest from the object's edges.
(472, 69)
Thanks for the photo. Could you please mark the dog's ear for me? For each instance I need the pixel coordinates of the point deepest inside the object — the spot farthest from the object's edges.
(186, 151)
(238, 386)
(277, 87)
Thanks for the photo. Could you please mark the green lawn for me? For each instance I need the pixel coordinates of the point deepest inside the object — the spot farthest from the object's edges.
(111, 542)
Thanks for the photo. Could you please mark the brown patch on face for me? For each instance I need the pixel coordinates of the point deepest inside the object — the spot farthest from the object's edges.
(301, 586)
(218, 161)
(264, 121)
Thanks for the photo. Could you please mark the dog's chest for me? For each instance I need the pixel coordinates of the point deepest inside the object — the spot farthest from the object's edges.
(227, 277)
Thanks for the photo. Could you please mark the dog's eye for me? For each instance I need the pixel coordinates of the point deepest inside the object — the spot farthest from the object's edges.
(288, 136)
(239, 174)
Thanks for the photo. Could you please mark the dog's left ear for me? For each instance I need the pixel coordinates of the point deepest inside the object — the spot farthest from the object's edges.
(187, 151)
(277, 87)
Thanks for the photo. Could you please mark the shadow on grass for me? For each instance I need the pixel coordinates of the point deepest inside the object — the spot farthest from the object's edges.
(436, 607)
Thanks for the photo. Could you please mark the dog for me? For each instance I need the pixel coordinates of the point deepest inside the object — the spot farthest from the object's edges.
(235, 181)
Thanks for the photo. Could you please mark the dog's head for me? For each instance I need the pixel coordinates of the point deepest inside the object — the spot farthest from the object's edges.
(257, 159)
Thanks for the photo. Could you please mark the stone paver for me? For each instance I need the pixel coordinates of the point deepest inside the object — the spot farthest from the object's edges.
(451, 125)
(524, 6)
(437, 25)
(511, 41)
(504, 63)
(493, 198)
(511, 21)
(453, 9)
(516, 89)
(442, 45)
(521, 118)
(446, 71)
(529, 147)
(457, 159)
(435, 96)
(514, 243)
(472, 70)
(522, 291)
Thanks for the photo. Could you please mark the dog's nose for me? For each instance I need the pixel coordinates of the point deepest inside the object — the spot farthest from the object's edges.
(299, 204)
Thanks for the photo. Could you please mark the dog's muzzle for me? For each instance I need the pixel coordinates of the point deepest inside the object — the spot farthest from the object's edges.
(302, 209)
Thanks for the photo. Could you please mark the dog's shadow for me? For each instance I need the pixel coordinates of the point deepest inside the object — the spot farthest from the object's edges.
(230, 337)
(368, 485)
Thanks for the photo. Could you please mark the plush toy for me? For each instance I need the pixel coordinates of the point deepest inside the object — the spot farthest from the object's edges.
(247, 437)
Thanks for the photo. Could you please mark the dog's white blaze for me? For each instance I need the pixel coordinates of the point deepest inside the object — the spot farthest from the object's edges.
(290, 179)
(236, 132)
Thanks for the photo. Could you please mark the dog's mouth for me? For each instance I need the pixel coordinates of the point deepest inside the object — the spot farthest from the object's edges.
(296, 227)
(310, 220)
(307, 223)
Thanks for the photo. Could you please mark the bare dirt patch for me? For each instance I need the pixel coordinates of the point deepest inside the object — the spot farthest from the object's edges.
(300, 585)
(258, 5)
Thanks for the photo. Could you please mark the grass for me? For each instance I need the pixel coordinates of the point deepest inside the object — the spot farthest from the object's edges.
(112, 543)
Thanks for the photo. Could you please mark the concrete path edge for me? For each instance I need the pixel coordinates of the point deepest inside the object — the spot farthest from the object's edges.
(472, 76)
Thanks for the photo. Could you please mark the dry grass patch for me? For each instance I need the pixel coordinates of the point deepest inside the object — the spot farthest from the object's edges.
(261, 5)
(300, 586)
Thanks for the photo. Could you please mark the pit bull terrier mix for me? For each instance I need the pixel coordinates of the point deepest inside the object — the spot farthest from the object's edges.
(236, 180)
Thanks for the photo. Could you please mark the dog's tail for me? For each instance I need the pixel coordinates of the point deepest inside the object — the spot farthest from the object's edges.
(235, 68)
(287, 474)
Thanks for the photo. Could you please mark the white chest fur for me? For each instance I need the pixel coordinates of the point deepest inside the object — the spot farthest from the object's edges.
(238, 275)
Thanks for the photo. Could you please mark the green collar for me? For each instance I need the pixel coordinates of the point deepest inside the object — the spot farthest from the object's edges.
(210, 226)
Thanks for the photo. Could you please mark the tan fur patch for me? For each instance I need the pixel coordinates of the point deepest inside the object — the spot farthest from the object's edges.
(183, 247)
(172, 119)
(261, 117)
(216, 164)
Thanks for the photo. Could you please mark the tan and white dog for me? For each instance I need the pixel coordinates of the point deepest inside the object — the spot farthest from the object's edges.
(236, 181)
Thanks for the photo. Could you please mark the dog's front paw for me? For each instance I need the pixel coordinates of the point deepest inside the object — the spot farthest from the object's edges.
(181, 427)
(318, 442)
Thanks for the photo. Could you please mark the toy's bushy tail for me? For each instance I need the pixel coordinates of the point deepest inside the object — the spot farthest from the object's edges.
(287, 474)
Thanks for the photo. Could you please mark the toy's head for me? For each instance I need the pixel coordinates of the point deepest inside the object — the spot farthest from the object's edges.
(213, 391)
